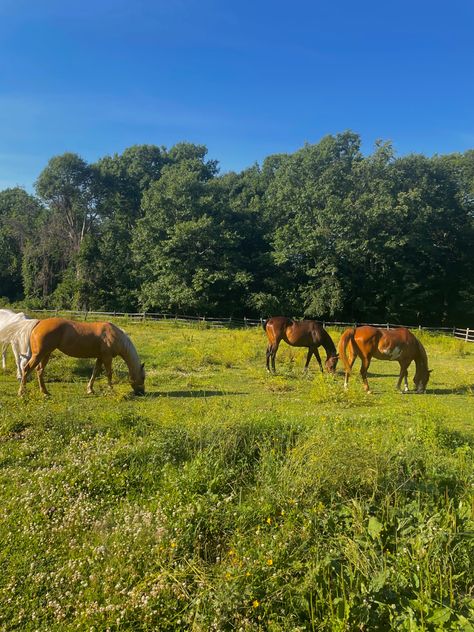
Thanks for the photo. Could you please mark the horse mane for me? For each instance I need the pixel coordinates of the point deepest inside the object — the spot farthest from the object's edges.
(127, 350)
(327, 341)
(423, 355)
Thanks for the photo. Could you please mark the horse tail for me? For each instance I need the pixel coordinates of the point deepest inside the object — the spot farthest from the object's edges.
(264, 324)
(19, 332)
(346, 338)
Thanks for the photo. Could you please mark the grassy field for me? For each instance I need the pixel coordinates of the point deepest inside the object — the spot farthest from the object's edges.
(228, 499)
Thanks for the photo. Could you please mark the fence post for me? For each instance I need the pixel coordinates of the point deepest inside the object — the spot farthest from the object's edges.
(144, 315)
(467, 334)
(245, 321)
(388, 326)
(454, 331)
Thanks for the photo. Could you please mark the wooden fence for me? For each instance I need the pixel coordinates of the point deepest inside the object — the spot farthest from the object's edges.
(230, 321)
(464, 334)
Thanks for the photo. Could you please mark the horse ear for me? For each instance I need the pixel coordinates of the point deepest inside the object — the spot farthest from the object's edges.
(430, 371)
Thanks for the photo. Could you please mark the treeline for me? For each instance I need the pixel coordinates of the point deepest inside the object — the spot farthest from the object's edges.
(326, 231)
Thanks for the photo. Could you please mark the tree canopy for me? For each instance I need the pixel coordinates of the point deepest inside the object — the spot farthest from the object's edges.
(326, 232)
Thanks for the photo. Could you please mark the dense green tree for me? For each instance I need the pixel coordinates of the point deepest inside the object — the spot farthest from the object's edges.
(325, 231)
(305, 203)
(69, 188)
(19, 212)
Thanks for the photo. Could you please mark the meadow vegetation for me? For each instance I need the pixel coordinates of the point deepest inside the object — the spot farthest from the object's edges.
(229, 499)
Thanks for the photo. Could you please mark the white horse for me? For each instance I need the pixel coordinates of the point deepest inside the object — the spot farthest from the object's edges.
(15, 330)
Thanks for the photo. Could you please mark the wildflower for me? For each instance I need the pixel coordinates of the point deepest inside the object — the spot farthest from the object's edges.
(269, 520)
(270, 562)
(256, 603)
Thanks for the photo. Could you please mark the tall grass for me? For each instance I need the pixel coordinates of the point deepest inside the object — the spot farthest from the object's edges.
(258, 503)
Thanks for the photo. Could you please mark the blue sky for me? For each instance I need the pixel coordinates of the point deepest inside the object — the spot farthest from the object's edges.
(247, 79)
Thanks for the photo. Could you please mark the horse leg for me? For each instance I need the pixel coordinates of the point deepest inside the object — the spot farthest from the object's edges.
(363, 372)
(268, 354)
(95, 373)
(403, 374)
(107, 362)
(308, 358)
(351, 359)
(30, 365)
(274, 352)
(4, 356)
(39, 373)
(16, 353)
(318, 358)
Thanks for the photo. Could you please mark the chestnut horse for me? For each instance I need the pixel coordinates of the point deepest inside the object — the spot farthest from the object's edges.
(100, 340)
(300, 333)
(384, 344)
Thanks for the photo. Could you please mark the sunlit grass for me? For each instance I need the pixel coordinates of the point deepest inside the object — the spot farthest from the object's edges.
(230, 499)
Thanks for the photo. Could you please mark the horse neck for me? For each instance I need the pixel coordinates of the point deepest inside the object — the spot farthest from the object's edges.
(421, 359)
(328, 344)
(129, 354)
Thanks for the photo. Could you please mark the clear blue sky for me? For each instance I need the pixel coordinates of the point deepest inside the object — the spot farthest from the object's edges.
(246, 78)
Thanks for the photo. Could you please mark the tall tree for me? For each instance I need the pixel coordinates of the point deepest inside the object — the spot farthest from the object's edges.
(305, 204)
(19, 212)
(68, 186)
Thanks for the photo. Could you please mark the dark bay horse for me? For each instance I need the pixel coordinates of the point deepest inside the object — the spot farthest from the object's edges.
(300, 333)
(102, 341)
(384, 344)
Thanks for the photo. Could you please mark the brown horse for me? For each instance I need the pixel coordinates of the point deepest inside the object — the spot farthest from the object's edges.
(384, 344)
(103, 341)
(300, 333)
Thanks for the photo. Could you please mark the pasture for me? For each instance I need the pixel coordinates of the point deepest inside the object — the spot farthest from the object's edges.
(229, 499)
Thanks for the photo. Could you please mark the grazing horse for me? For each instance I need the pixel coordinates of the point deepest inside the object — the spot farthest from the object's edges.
(102, 341)
(384, 344)
(299, 333)
(15, 330)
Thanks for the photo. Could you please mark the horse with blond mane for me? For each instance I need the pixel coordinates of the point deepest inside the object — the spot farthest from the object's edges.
(384, 344)
(103, 341)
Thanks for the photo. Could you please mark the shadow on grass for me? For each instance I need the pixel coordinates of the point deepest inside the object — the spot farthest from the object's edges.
(200, 393)
(466, 389)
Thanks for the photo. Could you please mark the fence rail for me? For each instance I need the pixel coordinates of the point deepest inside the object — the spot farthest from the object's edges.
(464, 334)
(230, 321)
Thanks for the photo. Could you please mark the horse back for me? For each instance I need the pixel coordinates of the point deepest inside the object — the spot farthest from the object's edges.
(77, 339)
(389, 344)
(275, 327)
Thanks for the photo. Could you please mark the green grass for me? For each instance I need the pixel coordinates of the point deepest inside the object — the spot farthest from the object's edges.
(228, 499)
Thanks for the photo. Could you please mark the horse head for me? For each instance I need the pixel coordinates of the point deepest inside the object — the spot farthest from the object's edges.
(421, 380)
(331, 363)
(138, 381)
